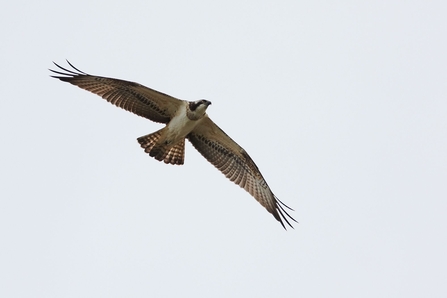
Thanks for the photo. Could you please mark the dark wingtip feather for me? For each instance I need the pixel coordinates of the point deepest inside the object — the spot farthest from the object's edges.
(79, 71)
(66, 74)
(282, 215)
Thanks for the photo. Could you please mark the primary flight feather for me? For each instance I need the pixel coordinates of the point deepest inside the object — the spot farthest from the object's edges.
(184, 120)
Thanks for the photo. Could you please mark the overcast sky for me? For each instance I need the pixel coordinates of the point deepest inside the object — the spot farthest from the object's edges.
(342, 105)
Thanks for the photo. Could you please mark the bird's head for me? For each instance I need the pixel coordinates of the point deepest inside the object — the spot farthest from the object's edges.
(198, 108)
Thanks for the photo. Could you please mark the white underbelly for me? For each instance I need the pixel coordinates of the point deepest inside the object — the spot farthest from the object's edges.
(179, 127)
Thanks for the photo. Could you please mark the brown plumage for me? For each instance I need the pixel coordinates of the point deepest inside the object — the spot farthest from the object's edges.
(183, 119)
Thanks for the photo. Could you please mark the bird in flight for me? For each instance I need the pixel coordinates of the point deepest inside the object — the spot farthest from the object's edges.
(184, 120)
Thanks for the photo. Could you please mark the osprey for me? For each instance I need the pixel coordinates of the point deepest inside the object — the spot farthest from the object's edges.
(184, 120)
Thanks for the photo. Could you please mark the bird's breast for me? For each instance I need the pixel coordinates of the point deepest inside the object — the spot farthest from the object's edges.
(180, 126)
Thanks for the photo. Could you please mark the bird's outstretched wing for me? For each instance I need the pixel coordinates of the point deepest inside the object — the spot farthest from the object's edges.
(133, 97)
(235, 163)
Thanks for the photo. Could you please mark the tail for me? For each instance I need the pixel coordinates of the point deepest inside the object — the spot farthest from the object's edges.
(160, 150)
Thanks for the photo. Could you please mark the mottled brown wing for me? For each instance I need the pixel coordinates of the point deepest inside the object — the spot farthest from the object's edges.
(235, 163)
(133, 97)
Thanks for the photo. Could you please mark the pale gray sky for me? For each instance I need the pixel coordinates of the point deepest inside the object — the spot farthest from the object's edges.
(342, 105)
